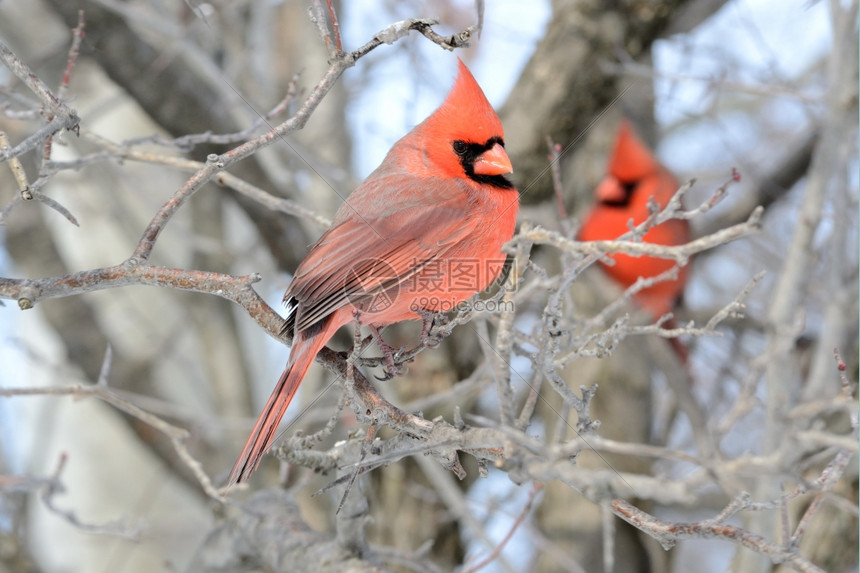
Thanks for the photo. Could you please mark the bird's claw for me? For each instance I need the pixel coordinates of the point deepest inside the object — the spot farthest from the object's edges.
(430, 320)
(388, 375)
(392, 367)
(391, 354)
(432, 341)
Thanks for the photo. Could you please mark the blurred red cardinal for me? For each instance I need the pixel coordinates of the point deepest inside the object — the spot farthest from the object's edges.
(635, 175)
(422, 233)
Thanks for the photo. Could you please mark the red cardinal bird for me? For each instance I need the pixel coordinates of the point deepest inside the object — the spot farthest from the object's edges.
(422, 233)
(634, 176)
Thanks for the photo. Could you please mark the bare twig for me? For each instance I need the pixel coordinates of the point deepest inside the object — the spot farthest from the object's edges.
(100, 390)
(54, 486)
(681, 253)
(555, 170)
(17, 170)
(121, 151)
(497, 550)
(335, 27)
(218, 163)
(176, 435)
(669, 533)
(74, 49)
(64, 117)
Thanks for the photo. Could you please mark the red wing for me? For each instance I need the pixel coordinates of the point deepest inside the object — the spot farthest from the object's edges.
(363, 255)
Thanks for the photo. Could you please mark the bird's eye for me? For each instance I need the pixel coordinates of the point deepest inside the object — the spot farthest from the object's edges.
(628, 186)
(460, 147)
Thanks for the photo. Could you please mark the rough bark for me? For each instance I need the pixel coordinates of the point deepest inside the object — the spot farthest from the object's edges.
(565, 85)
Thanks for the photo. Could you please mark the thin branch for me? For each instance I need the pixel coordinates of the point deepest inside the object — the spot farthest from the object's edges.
(64, 117)
(17, 169)
(54, 486)
(218, 163)
(335, 27)
(497, 550)
(317, 15)
(458, 506)
(558, 189)
(668, 533)
(177, 436)
(55, 125)
(74, 49)
(237, 289)
(680, 253)
(121, 151)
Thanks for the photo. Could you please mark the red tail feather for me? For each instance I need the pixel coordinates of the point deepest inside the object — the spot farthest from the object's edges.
(302, 356)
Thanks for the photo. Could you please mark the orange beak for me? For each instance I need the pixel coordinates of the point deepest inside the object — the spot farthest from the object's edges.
(493, 161)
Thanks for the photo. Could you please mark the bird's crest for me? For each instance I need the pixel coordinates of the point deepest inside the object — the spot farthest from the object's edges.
(631, 159)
